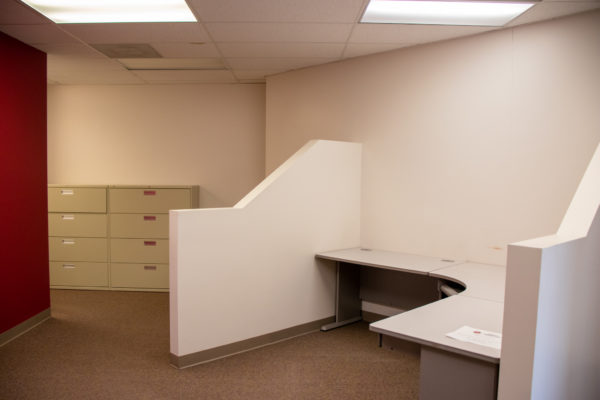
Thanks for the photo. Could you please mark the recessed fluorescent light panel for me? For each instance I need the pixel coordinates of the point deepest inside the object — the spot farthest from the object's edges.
(99, 11)
(489, 13)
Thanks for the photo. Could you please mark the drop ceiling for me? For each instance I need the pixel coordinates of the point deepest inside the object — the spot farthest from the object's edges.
(235, 41)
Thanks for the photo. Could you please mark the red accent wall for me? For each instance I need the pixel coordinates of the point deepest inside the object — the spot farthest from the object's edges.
(24, 282)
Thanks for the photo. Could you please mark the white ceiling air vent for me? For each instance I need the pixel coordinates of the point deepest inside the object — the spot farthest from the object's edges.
(147, 64)
(143, 57)
(127, 50)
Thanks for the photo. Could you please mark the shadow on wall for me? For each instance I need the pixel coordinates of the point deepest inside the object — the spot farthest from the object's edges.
(209, 200)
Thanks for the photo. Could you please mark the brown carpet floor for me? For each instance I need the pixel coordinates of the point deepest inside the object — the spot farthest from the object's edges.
(115, 345)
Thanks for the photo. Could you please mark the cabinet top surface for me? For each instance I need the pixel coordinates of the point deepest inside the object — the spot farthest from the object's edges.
(57, 185)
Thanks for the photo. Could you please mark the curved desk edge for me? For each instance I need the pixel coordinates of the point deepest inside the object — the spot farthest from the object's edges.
(480, 305)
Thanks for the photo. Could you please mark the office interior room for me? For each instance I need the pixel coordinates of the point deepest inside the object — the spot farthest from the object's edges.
(468, 144)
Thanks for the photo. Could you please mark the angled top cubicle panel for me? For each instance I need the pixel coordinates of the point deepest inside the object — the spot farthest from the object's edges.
(551, 333)
(247, 272)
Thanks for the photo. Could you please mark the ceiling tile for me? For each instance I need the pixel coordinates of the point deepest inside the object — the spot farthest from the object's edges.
(98, 78)
(410, 34)
(39, 33)
(255, 38)
(346, 11)
(552, 9)
(178, 50)
(275, 64)
(72, 64)
(362, 49)
(253, 74)
(167, 76)
(184, 32)
(281, 50)
(252, 81)
(69, 49)
(279, 32)
(74, 70)
(15, 12)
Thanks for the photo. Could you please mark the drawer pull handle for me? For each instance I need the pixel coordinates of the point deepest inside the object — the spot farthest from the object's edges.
(68, 241)
(149, 267)
(149, 192)
(69, 266)
(67, 192)
(149, 217)
(67, 217)
(149, 243)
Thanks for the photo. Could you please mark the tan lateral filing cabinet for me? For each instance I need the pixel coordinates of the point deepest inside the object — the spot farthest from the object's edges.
(138, 234)
(78, 236)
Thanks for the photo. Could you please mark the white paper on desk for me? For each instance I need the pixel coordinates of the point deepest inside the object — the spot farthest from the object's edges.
(477, 336)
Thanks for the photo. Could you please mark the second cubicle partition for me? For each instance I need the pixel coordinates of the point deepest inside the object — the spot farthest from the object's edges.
(551, 335)
(246, 276)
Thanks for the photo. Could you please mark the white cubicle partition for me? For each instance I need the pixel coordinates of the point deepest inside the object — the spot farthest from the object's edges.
(551, 334)
(245, 276)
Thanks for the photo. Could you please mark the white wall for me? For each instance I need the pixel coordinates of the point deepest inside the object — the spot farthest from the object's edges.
(242, 272)
(211, 135)
(469, 144)
(551, 333)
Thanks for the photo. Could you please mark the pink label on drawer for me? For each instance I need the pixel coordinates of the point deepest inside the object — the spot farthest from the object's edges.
(149, 243)
(149, 218)
(149, 192)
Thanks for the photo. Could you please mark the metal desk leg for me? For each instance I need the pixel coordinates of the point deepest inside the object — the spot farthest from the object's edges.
(347, 296)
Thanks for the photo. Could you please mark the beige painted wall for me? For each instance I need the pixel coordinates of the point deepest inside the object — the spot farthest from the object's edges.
(211, 135)
(469, 144)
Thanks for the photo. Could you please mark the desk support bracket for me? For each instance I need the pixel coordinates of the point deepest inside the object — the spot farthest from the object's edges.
(338, 324)
(347, 296)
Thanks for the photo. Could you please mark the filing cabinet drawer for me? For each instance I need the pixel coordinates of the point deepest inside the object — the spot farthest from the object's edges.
(78, 249)
(148, 200)
(150, 276)
(77, 199)
(78, 274)
(139, 251)
(139, 226)
(76, 224)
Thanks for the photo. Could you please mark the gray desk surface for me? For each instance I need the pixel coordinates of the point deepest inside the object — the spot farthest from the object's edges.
(388, 260)
(483, 281)
(480, 306)
(429, 325)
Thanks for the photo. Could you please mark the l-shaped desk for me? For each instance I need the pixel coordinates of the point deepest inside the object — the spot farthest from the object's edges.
(449, 368)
